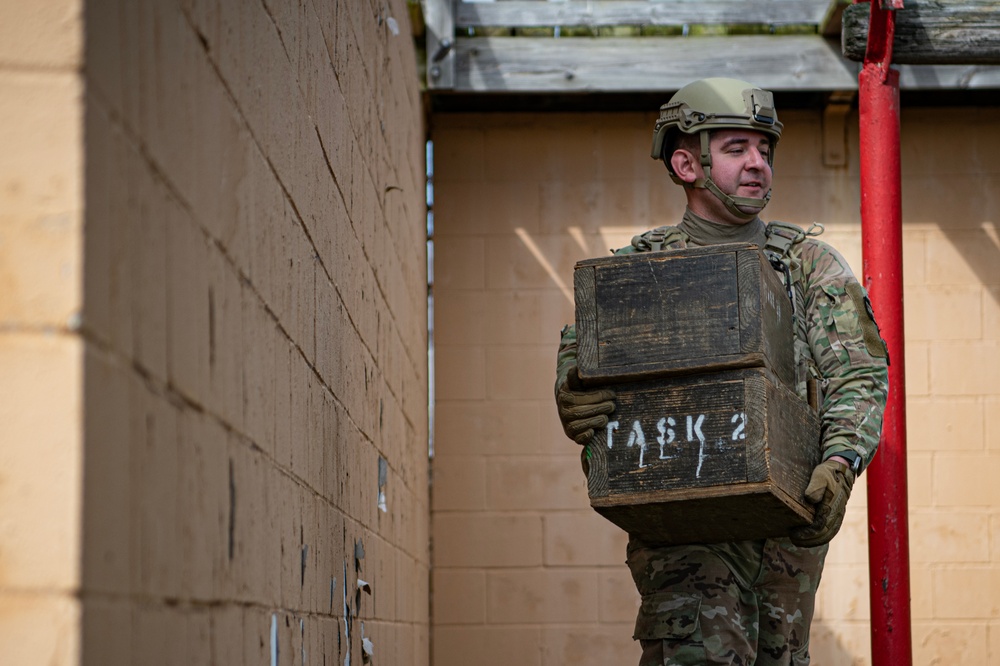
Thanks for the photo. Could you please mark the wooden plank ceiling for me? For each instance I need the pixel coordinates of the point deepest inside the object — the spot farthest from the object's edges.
(657, 46)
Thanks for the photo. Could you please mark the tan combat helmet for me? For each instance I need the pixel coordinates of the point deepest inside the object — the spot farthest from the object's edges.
(716, 103)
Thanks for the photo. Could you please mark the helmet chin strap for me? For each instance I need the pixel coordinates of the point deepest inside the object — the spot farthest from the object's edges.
(730, 202)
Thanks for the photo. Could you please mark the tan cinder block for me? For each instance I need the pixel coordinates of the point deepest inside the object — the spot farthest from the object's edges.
(42, 134)
(48, 34)
(107, 492)
(155, 557)
(587, 206)
(955, 536)
(922, 592)
(515, 317)
(458, 151)
(460, 317)
(618, 598)
(840, 642)
(225, 390)
(460, 263)
(460, 372)
(993, 641)
(202, 504)
(962, 257)
(41, 407)
(282, 418)
(459, 210)
(850, 546)
(39, 628)
(459, 596)
(945, 424)
(965, 368)
(925, 153)
(623, 145)
(944, 313)
(189, 337)
(940, 643)
(914, 258)
(105, 631)
(518, 596)
(832, 199)
(520, 371)
(958, 191)
(992, 408)
(459, 483)
(919, 474)
(521, 150)
(843, 593)
(991, 313)
(918, 369)
(154, 211)
(966, 594)
(468, 427)
(108, 283)
(41, 170)
(476, 539)
(227, 626)
(582, 537)
(525, 484)
(259, 339)
(966, 480)
(605, 643)
(531, 261)
(489, 646)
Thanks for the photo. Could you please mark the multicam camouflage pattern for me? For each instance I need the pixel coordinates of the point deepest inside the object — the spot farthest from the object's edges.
(752, 602)
(741, 603)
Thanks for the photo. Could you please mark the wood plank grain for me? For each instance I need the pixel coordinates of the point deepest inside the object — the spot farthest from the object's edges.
(648, 64)
(706, 458)
(598, 13)
(932, 32)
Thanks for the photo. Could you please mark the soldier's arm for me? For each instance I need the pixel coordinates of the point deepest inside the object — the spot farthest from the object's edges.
(850, 355)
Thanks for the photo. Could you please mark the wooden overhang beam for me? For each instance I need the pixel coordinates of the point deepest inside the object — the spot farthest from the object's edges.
(439, 26)
(652, 64)
(957, 31)
(600, 13)
(932, 32)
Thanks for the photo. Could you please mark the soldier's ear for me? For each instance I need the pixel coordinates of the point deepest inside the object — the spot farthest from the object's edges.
(685, 165)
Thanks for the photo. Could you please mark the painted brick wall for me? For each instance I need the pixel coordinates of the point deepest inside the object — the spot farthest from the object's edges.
(524, 572)
(41, 217)
(214, 334)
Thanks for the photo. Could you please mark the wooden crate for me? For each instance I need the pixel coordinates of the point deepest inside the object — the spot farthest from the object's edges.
(700, 309)
(705, 458)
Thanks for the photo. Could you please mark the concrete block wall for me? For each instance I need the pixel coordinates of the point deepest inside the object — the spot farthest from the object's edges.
(41, 355)
(214, 334)
(524, 572)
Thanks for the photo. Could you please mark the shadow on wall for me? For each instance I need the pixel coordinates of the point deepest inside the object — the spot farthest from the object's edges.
(980, 249)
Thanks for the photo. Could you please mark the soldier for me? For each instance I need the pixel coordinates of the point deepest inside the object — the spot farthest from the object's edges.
(748, 602)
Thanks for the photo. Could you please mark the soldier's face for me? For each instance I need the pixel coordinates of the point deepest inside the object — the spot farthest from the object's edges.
(740, 163)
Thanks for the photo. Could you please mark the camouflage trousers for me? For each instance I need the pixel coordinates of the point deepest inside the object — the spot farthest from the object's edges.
(747, 603)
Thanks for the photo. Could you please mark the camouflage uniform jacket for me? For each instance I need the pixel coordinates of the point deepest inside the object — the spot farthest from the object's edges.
(837, 343)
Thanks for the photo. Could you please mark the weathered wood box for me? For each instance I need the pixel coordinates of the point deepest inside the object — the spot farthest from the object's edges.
(708, 441)
(668, 313)
(705, 458)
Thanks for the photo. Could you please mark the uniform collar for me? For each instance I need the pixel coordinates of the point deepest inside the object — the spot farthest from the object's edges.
(706, 232)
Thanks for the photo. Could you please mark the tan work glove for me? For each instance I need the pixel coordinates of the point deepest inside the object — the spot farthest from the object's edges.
(829, 488)
(582, 410)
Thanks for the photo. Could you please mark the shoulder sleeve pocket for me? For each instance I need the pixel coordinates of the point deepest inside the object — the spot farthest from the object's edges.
(667, 615)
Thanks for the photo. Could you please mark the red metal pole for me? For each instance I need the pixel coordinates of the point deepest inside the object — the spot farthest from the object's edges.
(882, 252)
